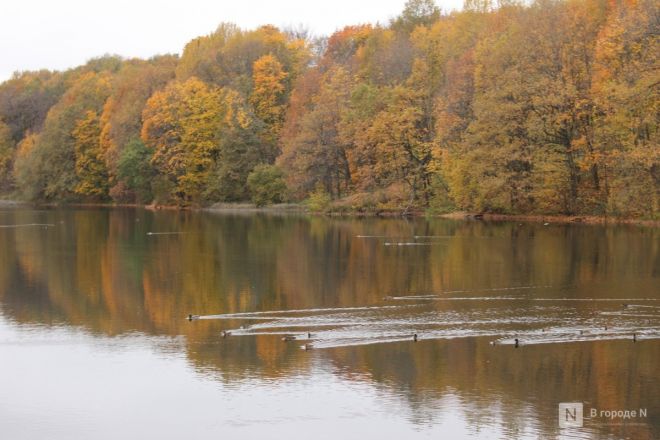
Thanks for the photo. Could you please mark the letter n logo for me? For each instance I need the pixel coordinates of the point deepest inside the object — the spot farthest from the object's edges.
(570, 415)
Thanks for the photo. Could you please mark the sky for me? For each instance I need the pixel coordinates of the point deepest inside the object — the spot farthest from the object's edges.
(58, 34)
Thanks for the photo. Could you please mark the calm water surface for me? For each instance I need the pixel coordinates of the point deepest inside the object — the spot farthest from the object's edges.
(95, 344)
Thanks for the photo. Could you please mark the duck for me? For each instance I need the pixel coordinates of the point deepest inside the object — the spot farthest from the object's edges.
(288, 338)
(306, 347)
(192, 317)
(309, 336)
(415, 337)
(517, 342)
(225, 333)
(634, 337)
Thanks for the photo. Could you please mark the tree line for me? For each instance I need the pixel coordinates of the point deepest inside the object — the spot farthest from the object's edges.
(548, 107)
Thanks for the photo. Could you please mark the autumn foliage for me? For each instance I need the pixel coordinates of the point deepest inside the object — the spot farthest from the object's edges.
(550, 107)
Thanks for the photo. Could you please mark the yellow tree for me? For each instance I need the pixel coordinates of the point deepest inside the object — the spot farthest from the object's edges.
(90, 164)
(401, 134)
(626, 90)
(181, 125)
(269, 95)
(205, 142)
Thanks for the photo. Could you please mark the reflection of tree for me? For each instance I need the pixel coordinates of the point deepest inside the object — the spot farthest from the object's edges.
(7, 261)
(100, 270)
(607, 375)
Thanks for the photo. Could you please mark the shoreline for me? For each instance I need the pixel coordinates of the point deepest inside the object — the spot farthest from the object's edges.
(294, 208)
(5, 203)
(552, 219)
(457, 215)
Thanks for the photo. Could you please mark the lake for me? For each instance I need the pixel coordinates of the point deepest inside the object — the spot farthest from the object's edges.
(96, 343)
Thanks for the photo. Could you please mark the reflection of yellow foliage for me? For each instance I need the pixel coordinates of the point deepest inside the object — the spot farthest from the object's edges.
(120, 281)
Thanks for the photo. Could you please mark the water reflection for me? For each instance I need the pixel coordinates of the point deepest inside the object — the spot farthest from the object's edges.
(132, 277)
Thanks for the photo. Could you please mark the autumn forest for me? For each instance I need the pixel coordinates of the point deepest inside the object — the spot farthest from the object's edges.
(548, 107)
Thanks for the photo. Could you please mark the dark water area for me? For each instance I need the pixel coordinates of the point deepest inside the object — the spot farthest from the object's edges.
(318, 316)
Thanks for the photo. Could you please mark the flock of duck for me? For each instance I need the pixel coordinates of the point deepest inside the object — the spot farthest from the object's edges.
(353, 328)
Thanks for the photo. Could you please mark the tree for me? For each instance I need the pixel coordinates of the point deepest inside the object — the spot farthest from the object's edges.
(26, 98)
(316, 153)
(526, 145)
(90, 167)
(28, 175)
(52, 160)
(135, 170)
(6, 157)
(269, 97)
(626, 92)
(489, 108)
(416, 13)
(121, 119)
(181, 126)
(401, 137)
(226, 57)
(205, 141)
(241, 149)
(482, 6)
(267, 185)
(383, 58)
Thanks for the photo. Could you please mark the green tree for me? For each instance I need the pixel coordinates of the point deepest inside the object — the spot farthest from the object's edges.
(6, 157)
(267, 185)
(27, 174)
(417, 13)
(319, 200)
(135, 170)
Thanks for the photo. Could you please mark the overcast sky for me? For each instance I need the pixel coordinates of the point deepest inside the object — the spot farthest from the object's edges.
(58, 34)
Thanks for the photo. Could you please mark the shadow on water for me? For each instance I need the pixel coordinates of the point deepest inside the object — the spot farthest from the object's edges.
(356, 290)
